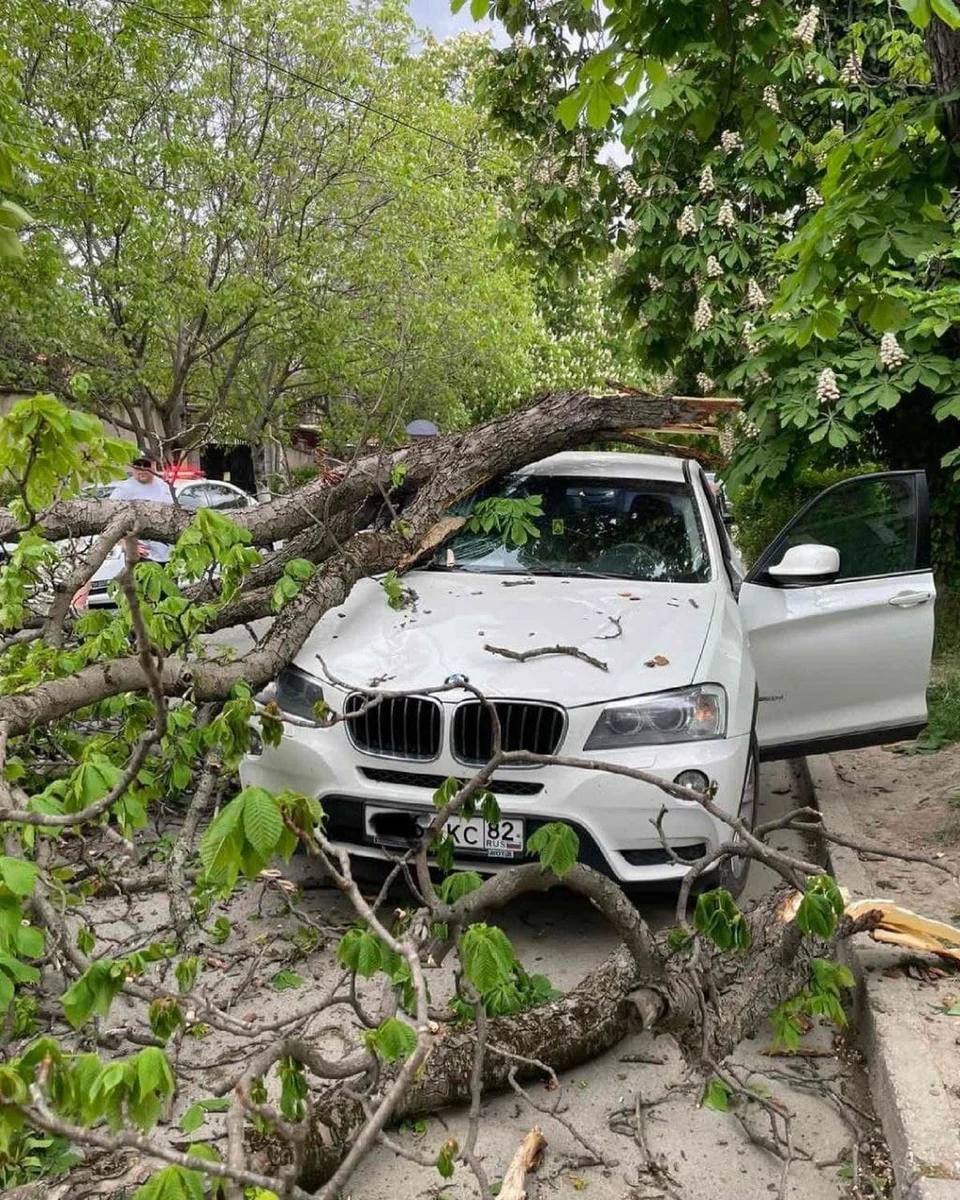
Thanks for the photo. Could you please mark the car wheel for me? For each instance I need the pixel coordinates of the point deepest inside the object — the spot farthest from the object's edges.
(732, 872)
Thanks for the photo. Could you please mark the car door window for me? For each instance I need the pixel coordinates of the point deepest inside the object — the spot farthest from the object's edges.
(876, 522)
(192, 497)
(219, 495)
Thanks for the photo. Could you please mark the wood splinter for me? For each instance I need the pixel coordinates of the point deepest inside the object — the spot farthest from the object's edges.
(526, 1159)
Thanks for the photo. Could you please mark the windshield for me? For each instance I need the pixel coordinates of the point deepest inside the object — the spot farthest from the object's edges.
(624, 529)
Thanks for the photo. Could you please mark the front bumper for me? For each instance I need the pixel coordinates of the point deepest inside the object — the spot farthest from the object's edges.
(614, 816)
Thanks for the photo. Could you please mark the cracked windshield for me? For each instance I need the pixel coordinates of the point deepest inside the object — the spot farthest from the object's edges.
(604, 528)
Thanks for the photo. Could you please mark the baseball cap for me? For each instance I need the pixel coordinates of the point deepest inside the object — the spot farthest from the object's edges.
(144, 459)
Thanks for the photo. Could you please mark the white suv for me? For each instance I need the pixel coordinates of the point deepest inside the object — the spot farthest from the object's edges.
(826, 643)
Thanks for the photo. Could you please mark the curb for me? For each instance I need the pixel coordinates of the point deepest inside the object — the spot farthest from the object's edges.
(913, 1103)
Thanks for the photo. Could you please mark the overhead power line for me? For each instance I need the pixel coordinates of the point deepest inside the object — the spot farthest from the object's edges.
(265, 61)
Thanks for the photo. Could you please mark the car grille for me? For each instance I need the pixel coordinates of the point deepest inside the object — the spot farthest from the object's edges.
(537, 728)
(502, 787)
(403, 727)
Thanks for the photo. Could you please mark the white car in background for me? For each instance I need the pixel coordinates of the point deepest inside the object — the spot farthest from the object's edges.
(191, 493)
(824, 644)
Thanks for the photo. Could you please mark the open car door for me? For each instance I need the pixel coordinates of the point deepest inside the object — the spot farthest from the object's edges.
(838, 611)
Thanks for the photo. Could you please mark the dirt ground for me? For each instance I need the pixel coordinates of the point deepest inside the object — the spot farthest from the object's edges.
(595, 1150)
(911, 802)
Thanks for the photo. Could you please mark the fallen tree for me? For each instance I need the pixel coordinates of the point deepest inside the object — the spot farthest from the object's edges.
(105, 716)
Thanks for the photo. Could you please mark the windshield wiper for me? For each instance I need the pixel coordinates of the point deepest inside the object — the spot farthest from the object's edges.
(579, 572)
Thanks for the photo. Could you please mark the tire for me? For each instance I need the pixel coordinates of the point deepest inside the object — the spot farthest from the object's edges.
(733, 872)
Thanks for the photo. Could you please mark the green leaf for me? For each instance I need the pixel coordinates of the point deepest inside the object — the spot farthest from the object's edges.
(446, 792)
(718, 918)
(488, 957)
(392, 1041)
(717, 1095)
(196, 1114)
(570, 107)
(262, 822)
(172, 1183)
(360, 951)
(822, 903)
(873, 249)
(286, 979)
(7, 991)
(918, 11)
(887, 314)
(557, 845)
(221, 844)
(458, 885)
(192, 1119)
(18, 874)
(153, 1071)
(946, 10)
(448, 1152)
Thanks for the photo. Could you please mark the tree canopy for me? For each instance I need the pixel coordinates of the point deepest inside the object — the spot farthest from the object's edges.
(784, 226)
(262, 211)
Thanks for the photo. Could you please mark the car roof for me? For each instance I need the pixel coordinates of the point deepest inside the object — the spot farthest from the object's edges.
(609, 464)
(180, 484)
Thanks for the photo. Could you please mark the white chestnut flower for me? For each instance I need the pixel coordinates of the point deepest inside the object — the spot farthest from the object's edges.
(518, 42)
(687, 222)
(812, 198)
(761, 378)
(748, 428)
(827, 387)
(726, 440)
(755, 296)
(654, 283)
(630, 185)
(706, 180)
(703, 317)
(850, 72)
(770, 98)
(892, 354)
(730, 140)
(749, 340)
(705, 383)
(806, 29)
(630, 227)
(726, 217)
(714, 269)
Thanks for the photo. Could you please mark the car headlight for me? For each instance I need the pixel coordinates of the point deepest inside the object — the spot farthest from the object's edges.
(688, 715)
(297, 692)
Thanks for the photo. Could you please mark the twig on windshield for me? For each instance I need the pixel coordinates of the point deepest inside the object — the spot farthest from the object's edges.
(542, 651)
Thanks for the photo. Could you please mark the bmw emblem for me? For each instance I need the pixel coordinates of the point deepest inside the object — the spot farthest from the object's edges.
(456, 681)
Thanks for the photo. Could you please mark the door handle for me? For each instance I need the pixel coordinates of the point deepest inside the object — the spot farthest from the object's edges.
(910, 599)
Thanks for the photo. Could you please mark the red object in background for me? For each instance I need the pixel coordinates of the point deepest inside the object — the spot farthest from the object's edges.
(174, 472)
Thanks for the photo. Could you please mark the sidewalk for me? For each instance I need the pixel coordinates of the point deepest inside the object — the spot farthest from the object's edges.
(910, 1045)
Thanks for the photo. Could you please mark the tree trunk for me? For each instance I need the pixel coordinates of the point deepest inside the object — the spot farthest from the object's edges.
(943, 46)
(612, 1001)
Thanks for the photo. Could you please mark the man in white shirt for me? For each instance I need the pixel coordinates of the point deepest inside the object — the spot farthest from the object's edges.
(146, 484)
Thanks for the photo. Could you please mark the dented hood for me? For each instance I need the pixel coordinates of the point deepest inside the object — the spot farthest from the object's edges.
(452, 615)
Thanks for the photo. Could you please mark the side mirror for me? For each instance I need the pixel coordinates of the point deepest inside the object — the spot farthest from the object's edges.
(807, 564)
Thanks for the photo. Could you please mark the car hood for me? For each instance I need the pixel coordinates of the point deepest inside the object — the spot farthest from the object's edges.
(452, 616)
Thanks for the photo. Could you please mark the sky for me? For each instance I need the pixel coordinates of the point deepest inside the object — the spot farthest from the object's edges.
(436, 16)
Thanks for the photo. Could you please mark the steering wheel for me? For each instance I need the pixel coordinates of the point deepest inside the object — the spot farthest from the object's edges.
(639, 558)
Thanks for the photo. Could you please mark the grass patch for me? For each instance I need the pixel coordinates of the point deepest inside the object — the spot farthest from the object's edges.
(943, 709)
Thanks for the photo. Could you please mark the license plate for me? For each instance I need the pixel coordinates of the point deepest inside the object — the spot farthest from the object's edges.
(471, 835)
(498, 839)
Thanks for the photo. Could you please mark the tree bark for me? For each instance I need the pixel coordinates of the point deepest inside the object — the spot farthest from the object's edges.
(439, 472)
(555, 422)
(943, 46)
(613, 1000)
